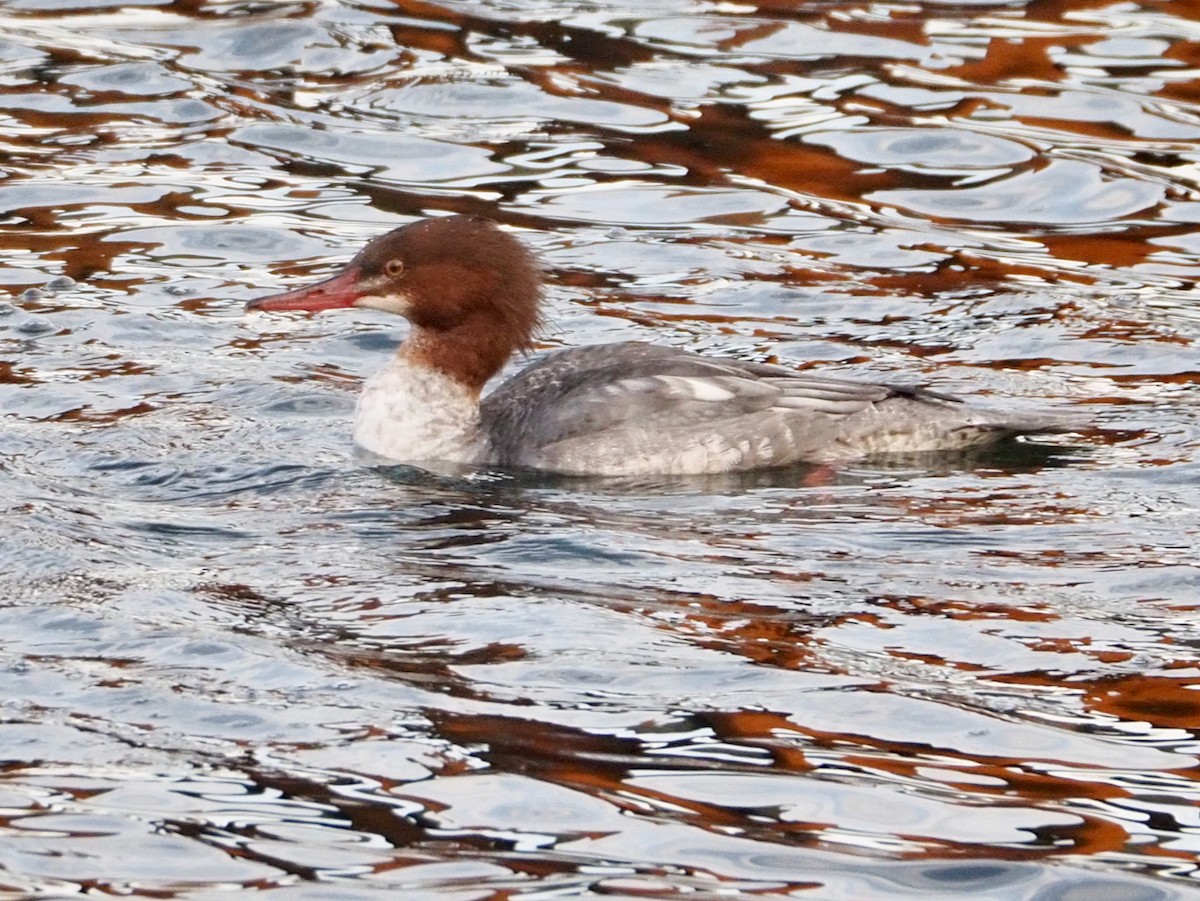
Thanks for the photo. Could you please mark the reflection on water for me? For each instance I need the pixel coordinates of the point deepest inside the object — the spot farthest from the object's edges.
(239, 655)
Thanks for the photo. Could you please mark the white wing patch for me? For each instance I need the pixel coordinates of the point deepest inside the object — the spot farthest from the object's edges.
(820, 404)
(698, 388)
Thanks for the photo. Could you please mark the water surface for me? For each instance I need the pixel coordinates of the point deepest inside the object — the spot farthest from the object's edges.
(237, 656)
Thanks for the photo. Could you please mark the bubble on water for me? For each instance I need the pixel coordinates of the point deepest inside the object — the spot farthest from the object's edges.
(35, 326)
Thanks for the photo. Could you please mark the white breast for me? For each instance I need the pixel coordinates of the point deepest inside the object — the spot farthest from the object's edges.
(412, 414)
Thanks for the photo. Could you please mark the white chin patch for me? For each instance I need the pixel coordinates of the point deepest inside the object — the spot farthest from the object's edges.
(390, 303)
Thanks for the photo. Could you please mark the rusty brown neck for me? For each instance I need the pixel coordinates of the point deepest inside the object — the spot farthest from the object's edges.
(470, 353)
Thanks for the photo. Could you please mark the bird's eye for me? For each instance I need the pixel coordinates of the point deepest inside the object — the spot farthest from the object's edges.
(393, 268)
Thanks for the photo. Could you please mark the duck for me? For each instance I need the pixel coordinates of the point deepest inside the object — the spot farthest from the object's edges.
(472, 293)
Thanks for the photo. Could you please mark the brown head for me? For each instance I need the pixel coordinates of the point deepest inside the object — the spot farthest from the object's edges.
(471, 291)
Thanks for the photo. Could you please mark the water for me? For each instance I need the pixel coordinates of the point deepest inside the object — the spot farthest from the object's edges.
(236, 656)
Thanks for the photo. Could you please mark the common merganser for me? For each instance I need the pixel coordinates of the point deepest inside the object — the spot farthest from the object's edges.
(472, 294)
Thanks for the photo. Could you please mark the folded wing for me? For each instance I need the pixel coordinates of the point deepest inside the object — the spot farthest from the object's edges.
(630, 408)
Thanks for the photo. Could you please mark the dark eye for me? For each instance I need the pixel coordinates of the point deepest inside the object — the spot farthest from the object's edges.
(393, 268)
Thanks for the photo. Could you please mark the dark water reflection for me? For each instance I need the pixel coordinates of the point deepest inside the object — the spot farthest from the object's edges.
(240, 656)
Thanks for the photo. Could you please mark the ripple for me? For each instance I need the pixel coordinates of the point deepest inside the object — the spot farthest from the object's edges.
(943, 150)
(131, 79)
(520, 102)
(240, 655)
(789, 40)
(854, 808)
(1066, 192)
(395, 157)
(257, 45)
(32, 195)
(227, 242)
(657, 205)
(1130, 113)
